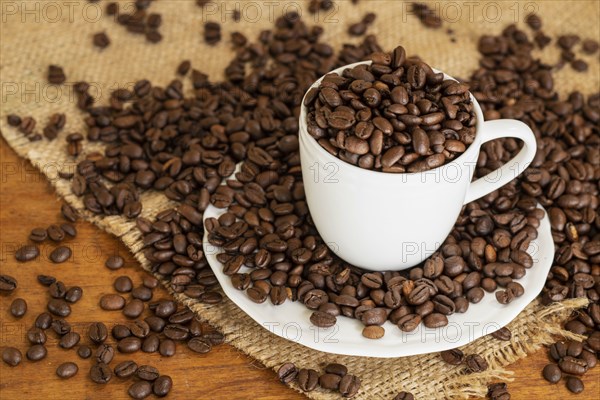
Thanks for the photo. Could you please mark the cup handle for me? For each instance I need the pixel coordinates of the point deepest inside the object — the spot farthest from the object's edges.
(497, 129)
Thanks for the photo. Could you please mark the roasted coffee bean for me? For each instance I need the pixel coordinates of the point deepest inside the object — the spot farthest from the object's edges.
(123, 284)
(373, 332)
(151, 343)
(38, 235)
(142, 293)
(133, 309)
(167, 348)
(404, 396)
(199, 345)
(176, 332)
(60, 326)
(409, 322)
(476, 363)
(18, 307)
(57, 290)
(165, 309)
(349, 385)
(575, 385)
(287, 372)
(101, 40)
(308, 379)
(114, 262)
(503, 334)
(73, 294)
(330, 381)
(572, 365)
(11, 356)
(552, 373)
(435, 320)
(43, 321)
(60, 254)
(162, 385)
(67, 370)
(453, 357)
(105, 353)
(97, 332)
(55, 233)
(36, 336)
(69, 340)
(129, 344)
(125, 369)
(36, 352)
(27, 253)
(147, 373)
(7, 284)
(100, 373)
(111, 302)
(84, 351)
(140, 390)
(59, 307)
(46, 280)
(322, 320)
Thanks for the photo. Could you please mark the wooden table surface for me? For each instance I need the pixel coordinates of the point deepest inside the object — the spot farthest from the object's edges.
(27, 201)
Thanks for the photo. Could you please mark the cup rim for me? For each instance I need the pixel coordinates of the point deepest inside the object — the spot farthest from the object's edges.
(311, 141)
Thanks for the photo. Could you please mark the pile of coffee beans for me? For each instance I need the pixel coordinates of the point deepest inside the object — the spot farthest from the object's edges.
(573, 359)
(394, 115)
(334, 378)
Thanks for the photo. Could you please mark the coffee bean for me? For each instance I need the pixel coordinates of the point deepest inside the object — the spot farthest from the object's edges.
(43, 320)
(112, 302)
(57, 290)
(101, 40)
(435, 320)
(373, 332)
(308, 379)
(552, 373)
(151, 343)
(46, 280)
(404, 396)
(167, 348)
(453, 357)
(140, 390)
(322, 320)
(69, 340)
(56, 75)
(165, 309)
(133, 309)
(349, 385)
(162, 385)
(73, 295)
(142, 293)
(330, 381)
(114, 262)
(38, 235)
(287, 372)
(150, 282)
(575, 385)
(27, 253)
(123, 284)
(572, 365)
(84, 351)
(18, 307)
(67, 370)
(476, 363)
(147, 373)
(105, 353)
(503, 334)
(126, 369)
(7, 284)
(11, 356)
(36, 352)
(60, 326)
(97, 332)
(129, 344)
(60, 254)
(199, 345)
(59, 307)
(100, 373)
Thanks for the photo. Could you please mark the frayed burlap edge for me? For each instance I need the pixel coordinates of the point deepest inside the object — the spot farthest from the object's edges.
(381, 378)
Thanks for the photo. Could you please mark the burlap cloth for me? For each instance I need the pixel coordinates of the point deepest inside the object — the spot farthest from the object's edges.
(35, 34)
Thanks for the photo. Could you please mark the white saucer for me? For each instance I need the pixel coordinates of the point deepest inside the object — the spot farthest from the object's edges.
(291, 319)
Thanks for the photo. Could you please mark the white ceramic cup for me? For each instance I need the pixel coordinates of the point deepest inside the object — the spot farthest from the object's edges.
(386, 221)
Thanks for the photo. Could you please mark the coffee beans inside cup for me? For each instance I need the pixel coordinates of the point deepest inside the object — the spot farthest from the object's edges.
(394, 115)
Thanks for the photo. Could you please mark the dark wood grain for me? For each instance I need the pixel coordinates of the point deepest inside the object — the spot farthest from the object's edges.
(26, 201)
